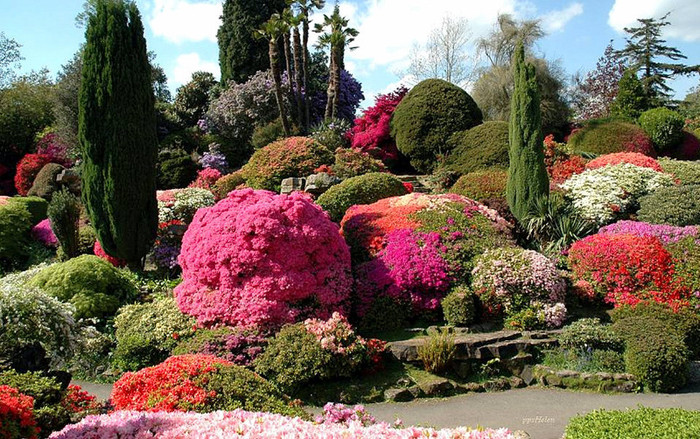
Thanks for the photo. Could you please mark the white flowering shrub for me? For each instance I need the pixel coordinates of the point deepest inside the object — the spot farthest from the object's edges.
(182, 204)
(605, 194)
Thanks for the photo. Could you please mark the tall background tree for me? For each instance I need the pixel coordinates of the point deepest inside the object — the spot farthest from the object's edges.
(271, 31)
(10, 56)
(240, 53)
(117, 132)
(593, 95)
(305, 9)
(527, 174)
(645, 52)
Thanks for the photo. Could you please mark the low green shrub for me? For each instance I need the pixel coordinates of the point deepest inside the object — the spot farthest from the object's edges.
(586, 361)
(36, 207)
(655, 353)
(459, 307)
(332, 133)
(228, 183)
(15, 227)
(641, 423)
(64, 212)
(686, 270)
(352, 162)
(94, 286)
(265, 134)
(589, 333)
(147, 333)
(675, 205)
(363, 189)
(45, 183)
(385, 314)
(663, 126)
(482, 147)
(605, 136)
(176, 169)
(487, 184)
(686, 172)
(437, 352)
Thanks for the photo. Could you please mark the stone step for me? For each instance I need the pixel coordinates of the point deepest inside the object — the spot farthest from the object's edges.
(511, 348)
(466, 345)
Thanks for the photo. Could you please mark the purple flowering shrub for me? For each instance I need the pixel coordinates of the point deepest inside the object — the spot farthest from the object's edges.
(214, 159)
(665, 233)
(43, 233)
(235, 345)
(349, 101)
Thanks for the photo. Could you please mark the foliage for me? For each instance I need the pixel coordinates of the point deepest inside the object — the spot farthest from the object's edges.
(270, 258)
(481, 147)
(589, 333)
(37, 207)
(458, 307)
(11, 57)
(482, 185)
(363, 189)
(235, 345)
(349, 100)
(100, 253)
(352, 163)
(427, 116)
(17, 414)
(605, 136)
(663, 126)
(437, 352)
(15, 225)
(605, 194)
(537, 315)
(45, 184)
(688, 149)
(332, 134)
(595, 94)
(675, 205)
(192, 99)
(228, 183)
(29, 316)
(146, 333)
(633, 158)
(291, 157)
(176, 169)
(92, 285)
(265, 134)
(27, 170)
(64, 213)
(687, 270)
(671, 423)
(117, 132)
(631, 100)
(371, 132)
(527, 174)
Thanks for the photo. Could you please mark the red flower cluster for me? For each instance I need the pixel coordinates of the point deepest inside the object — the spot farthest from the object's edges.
(16, 414)
(633, 158)
(100, 253)
(27, 170)
(372, 131)
(408, 186)
(79, 402)
(206, 179)
(560, 164)
(375, 352)
(626, 269)
(177, 384)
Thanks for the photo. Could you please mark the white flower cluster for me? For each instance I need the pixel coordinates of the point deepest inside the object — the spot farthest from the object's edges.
(604, 194)
(183, 204)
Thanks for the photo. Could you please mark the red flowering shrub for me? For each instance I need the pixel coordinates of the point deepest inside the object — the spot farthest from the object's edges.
(409, 187)
(16, 415)
(261, 259)
(625, 269)
(206, 179)
(27, 170)
(372, 131)
(688, 149)
(633, 158)
(562, 170)
(80, 403)
(177, 384)
(100, 253)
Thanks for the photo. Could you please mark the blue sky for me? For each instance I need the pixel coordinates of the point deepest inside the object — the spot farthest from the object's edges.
(183, 32)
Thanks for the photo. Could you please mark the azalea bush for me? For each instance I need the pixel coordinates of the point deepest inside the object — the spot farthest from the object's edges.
(27, 170)
(252, 424)
(685, 172)
(214, 159)
(206, 179)
(52, 145)
(633, 158)
(666, 234)
(352, 162)
(238, 346)
(100, 253)
(43, 233)
(260, 259)
(515, 280)
(17, 414)
(612, 192)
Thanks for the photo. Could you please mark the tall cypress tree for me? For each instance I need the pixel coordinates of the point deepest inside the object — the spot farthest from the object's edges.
(241, 55)
(117, 132)
(527, 180)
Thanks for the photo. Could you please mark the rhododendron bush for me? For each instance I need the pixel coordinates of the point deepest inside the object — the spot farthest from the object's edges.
(633, 158)
(240, 423)
(16, 415)
(43, 233)
(261, 259)
(665, 233)
(604, 194)
(206, 179)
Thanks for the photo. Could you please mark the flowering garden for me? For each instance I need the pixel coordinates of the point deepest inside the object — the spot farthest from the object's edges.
(259, 245)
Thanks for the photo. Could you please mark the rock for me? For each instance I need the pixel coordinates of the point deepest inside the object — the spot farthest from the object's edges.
(520, 435)
(403, 382)
(516, 364)
(567, 373)
(436, 387)
(516, 382)
(398, 395)
(319, 183)
(462, 368)
(290, 185)
(527, 375)
(604, 376)
(553, 380)
(625, 387)
(623, 377)
(497, 384)
(415, 391)
(587, 376)
(473, 387)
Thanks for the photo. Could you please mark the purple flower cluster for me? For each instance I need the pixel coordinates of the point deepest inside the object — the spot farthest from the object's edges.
(215, 159)
(236, 347)
(165, 254)
(665, 233)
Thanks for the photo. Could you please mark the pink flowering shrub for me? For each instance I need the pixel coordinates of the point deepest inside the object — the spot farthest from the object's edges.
(258, 259)
(337, 336)
(240, 423)
(43, 233)
(665, 233)
(52, 145)
(336, 413)
(100, 253)
(206, 179)
(633, 158)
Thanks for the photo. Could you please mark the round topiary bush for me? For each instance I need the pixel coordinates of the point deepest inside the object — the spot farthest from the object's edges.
(94, 286)
(228, 183)
(458, 307)
(687, 149)
(364, 189)
(260, 259)
(675, 205)
(663, 126)
(426, 118)
(15, 226)
(45, 183)
(481, 147)
(291, 157)
(482, 185)
(176, 169)
(605, 136)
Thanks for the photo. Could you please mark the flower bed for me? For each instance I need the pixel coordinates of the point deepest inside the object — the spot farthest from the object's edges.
(666, 234)
(16, 414)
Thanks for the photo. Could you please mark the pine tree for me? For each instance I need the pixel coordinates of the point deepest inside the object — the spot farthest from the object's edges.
(117, 132)
(241, 55)
(643, 50)
(527, 180)
(631, 100)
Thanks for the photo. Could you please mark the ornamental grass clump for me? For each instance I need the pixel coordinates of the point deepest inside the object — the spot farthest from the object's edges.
(437, 351)
(257, 259)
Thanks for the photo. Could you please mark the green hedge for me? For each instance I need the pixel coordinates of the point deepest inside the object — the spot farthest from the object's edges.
(36, 207)
(15, 225)
(487, 184)
(176, 169)
(641, 423)
(459, 307)
(45, 183)
(605, 136)
(675, 205)
(664, 127)
(426, 118)
(481, 147)
(363, 189)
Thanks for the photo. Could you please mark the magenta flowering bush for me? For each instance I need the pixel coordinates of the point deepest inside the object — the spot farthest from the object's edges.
(43, 233)
(665, 233)
(240, 423)
(257, 259)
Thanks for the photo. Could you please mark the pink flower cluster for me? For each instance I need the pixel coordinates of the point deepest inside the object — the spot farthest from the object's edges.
(633, 158)
(43, 233)
(100, 253)
(665, 233)
(336, 413)
(252, 258)
(337, 336)
(240, 423)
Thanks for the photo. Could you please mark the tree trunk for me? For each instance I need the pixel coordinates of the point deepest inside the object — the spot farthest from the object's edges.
(305, 62)
(298, 76)
(288, 66)
(336, 81)
(276, 75)
(330, 92)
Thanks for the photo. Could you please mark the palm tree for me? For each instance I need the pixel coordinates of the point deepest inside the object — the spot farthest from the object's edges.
(338, 36)
(305, 8)
(272, 30)
(294, 21)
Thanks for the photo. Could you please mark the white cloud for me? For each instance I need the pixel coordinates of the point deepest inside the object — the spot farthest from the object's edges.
(189, 63)
(556, 20)
(684, 16)
(180, 21)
